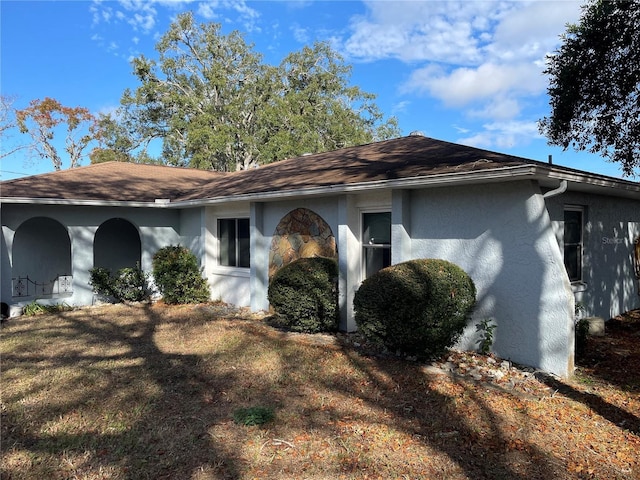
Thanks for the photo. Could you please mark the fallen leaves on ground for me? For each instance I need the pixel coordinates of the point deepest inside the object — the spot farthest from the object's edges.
(140, 391)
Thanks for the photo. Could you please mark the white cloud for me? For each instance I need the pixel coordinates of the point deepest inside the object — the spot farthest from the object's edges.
(299, 33)
(449, 32)
(142, 15)
(502, 135)
(498, 108)
(143, 21)
(207, 10)
(215, 9)
(484, 58)
(400, 107)
(461, 129)
(465, 85)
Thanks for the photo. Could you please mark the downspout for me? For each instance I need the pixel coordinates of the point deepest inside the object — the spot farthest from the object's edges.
(557, 191)
(571, 353)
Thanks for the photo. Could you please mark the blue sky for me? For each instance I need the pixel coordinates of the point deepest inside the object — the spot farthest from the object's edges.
(463, 71)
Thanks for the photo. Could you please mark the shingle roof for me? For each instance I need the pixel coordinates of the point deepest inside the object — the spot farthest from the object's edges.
(401, 158)
(111, 181)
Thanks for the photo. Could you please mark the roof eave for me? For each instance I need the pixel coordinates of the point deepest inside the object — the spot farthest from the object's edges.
(592, 182)
(85, 203)
(437, 180)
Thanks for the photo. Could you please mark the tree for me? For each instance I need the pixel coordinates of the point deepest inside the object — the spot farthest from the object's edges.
(595, 84)
(117, 144)
(7, 123)
(40, 121)
(314, 109)
(215, 105)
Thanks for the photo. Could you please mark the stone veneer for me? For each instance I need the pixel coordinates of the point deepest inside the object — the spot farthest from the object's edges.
(300, 234)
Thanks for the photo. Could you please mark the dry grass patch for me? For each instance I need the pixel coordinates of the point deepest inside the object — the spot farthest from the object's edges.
(150, 392)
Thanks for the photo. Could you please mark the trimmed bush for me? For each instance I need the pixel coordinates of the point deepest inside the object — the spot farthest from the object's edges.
(418, 308)
(178, 277)
(128, 284)
(305, 293)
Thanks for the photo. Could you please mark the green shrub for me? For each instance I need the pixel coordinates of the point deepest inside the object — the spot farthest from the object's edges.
(178, 277)
(581, 335)
(35, 308)
(485, 328)
(101, 281)
(253, 416)
(418, 308)
(128, 284)
(305, 293)
(581, 328)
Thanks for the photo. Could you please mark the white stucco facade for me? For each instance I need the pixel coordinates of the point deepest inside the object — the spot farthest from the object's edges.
(155, 227)
(506, 235)
(502, 237)
(611, 228)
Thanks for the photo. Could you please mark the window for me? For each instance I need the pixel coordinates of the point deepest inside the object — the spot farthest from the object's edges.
(376, 241)
(234, 242)
(573, 242)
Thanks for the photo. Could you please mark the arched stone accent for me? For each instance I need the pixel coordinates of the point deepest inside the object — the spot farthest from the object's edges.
(116, 245)
(300, 234)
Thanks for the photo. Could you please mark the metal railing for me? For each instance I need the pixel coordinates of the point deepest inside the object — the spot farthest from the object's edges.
(25, 287)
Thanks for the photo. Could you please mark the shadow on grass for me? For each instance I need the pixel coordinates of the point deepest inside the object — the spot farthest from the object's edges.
(153, 398)
(480, 451)
(612, 413)
(164, 435)
(615, 357)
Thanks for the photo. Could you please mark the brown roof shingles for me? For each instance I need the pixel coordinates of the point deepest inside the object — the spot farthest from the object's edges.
(406, 157)
(111, 181)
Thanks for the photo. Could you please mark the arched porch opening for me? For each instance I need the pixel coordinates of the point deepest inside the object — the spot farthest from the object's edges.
(116, 245)
(41, 255)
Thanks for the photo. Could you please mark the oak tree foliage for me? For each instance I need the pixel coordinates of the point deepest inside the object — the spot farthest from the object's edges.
(213, 102)
(42, 121)
(595, 84)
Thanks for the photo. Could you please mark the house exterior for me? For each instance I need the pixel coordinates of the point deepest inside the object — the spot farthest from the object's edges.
(535, 238)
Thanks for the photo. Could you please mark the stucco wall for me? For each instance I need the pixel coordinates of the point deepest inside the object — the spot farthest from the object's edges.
(501, 235)
(191, 230)
(609, 285)
(157, 228)
(229, 284)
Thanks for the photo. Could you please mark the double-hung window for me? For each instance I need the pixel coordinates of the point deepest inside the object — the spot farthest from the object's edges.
(573, 242)
(234, 242)
(376, 241)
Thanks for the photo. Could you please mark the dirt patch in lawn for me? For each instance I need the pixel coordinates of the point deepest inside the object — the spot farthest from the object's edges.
(150, 392)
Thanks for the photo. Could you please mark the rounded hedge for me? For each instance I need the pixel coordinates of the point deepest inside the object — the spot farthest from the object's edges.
(178, 277)
(419, 307)
(305, 293)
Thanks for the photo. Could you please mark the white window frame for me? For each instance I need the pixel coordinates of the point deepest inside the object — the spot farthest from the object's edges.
(236, 243)
(364, 245)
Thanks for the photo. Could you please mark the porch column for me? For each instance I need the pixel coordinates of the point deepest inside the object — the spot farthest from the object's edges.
(348, 260)
(259, 253)
(6, 288)
(400, 226)
(81, 262)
